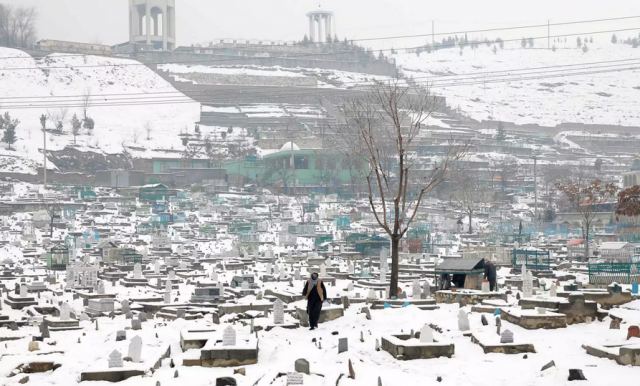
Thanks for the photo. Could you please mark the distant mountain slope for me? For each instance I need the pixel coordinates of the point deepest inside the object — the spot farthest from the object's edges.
(126, 99)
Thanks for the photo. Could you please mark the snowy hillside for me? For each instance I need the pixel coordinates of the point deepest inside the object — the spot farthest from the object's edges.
(129, 103)
(600, 98)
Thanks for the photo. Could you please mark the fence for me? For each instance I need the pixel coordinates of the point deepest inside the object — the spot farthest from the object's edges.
(607, 273)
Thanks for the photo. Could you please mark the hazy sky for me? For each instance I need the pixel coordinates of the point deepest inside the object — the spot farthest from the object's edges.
(199, 21)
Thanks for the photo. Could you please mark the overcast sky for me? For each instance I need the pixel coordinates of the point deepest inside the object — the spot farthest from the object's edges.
(199, 21)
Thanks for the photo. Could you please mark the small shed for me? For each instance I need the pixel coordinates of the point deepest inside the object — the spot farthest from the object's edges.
(461, 272)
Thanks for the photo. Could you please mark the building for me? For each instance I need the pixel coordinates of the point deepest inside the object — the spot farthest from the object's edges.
(616, 251)
(632, 177)
(152, 25)
(50, 45)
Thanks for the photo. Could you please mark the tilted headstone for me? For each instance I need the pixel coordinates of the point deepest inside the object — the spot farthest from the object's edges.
(498, 324)
(124, 304)
(135, 349)
(426, 334)
(343, 345)
(278, 312)
(135, 324)
(463, 320)
(121, 335)
(506, 336)
(115, 359)
(229, 336)
(44, 330)
(483, 320)
(65, 311)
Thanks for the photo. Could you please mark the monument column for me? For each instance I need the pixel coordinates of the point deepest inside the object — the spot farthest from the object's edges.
(147, 22)
(320, 33)
(327, 26)
(164, 28)
(311, 28)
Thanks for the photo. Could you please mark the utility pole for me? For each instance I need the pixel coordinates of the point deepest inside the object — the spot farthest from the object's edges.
(535, 184)
(548, 34)
(44, 153)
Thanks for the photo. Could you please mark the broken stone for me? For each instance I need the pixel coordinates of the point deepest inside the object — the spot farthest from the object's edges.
(548, 366)
(484, 321)
(226, 381)
(343, 345)
(576, 375)
(241, 371)
(302, 366)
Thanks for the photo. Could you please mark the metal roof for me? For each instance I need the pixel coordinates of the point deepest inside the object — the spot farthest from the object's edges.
(460, 265)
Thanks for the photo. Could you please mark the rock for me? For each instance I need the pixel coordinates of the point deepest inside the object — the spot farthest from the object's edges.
(24, 380)
(484, 321)
(226, 381)
(302, 366)
(34, 346)
(175, 375)
(576, 375)
(241, 371)
(313, 340)
(439, 379)
(171, 364)
(548, 366)
(525, 356)
(334, 332)
(615, 324)
(379, 381)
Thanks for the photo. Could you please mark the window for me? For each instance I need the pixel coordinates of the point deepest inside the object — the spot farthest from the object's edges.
(301, 162)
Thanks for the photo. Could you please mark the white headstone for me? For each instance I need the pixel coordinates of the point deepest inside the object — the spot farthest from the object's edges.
(156, 267)
(463, 320)
(115, 359)
(527, 285)
(229, 336)
(426, 289)
(506, 336)
(295, 379)
(350, 286)
(101, 289)
(417, 290)
(352, 268)
(323, 270)
(485, 286)
(278, 312)
(135, 349)
(553, 291)
(137, 271)
(24, 290)
(65, 311)
(124, 304)
(172, 275)
(244, 285)
(167, 292)
(371, 294)
(383, 275)
(221, 288)
(214, 276)
(426, 334)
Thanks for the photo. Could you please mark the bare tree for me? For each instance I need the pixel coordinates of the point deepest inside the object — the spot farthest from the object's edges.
(86, 101)
(586, 196)
(17, 26)
(388, 121)
(468, 192)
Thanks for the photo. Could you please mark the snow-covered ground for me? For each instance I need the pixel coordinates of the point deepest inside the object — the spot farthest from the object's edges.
(127, 102)
(589, 97)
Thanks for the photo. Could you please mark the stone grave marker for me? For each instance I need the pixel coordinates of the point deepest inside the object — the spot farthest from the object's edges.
(181, 313)
(506, 336)
(302, 366)
(115, 359)
(343, 345)
(135, 349)
(278, 312)
(553, 291)
(463, 320)
(486, 286)
(124, 304)
(416, 289)
(498, 324)
(294, 379)
(137, 271)
(156, 267)
(323, 270)
(121, 335)
(229, 336)
(350, 287)
(484, 321)
(101, 290)
(24, 290)
(135, 324)
(426, 289)
(426, 334)
(65, 311)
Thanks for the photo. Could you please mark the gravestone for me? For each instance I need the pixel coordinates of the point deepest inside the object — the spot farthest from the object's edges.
(350, 287)
(527, 284)
(121, 335)
(84, 317)
(101, 289)
(278, 312)
(226, 381)
(553, 291)
(229, 336)
(33, 346)
(383, 275)
(498, 324)
(214, 276)
(633, 332)
(137, 271)
(135, 349)
(172, 275)
(426, 289)
(125, 306)
(44, 330)
(371, 295)
(417, 290)
(245, 285)
(115, 359)
(323, 270)
(486, 287)
(463, 320)
(135, 324)
(65, 311)
(367, 312)
(167, 292)
(343, 345)
(484, 321)
(24, 290)
(351, 268)
(506, 336)
(156, 267)
(294, 379)
(426, 334)
(302, 366)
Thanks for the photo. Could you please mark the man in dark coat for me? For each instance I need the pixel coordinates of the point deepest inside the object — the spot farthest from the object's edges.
(315, 293)
(490, 274)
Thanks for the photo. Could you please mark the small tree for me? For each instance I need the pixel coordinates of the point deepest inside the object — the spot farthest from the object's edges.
(10, 125)
(614, 39)
(501, 134)
(76, 125)
(89, 125)
(43, 122)
(585, 197)
(388, 121)
(629, 202)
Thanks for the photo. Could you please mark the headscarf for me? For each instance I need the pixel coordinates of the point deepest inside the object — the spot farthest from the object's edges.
(314, 279)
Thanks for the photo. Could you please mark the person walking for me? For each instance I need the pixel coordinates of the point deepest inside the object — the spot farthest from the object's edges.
(315, 293)
(491, 275)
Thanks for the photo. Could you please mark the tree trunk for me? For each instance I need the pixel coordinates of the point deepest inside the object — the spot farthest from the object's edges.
(470, 224)
(586, 244)
(395, 259)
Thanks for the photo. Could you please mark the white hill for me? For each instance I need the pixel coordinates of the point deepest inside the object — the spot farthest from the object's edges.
(120, 92)
(598, 98)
